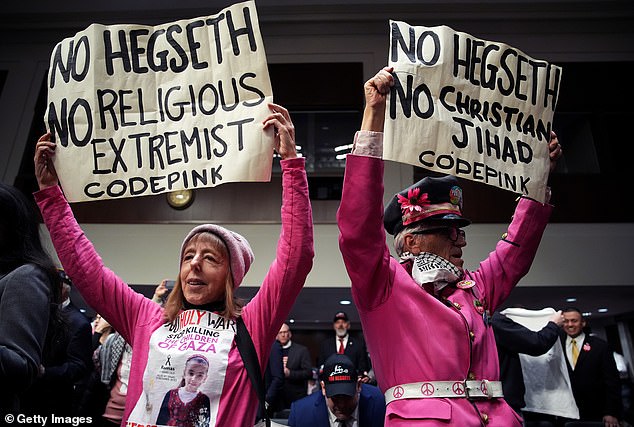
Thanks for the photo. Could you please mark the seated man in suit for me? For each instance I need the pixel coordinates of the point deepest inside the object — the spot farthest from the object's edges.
(343, 343)
(344, 400)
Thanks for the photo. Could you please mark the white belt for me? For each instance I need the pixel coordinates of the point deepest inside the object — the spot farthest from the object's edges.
(431, 389)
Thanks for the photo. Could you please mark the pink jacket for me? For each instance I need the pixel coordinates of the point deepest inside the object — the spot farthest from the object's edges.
(411, 335)
(137, 317)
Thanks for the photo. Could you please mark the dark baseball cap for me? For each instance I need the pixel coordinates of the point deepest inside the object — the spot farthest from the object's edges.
(339, 376)
(340, 315)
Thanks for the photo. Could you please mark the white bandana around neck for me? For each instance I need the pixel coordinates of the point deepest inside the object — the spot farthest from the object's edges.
(431, 268)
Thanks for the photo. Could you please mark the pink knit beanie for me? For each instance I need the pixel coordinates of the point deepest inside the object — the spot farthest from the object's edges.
(240, 253)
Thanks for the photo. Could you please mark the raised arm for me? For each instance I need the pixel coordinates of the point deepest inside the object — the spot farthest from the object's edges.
(376, 90)
(284, 131)
(294, 252)
(514, 253)
(519, 339)
(554, 153)
(45, 172)
(360, 214)
(99, 286)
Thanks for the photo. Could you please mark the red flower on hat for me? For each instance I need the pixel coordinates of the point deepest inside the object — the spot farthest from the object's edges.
(413, 202)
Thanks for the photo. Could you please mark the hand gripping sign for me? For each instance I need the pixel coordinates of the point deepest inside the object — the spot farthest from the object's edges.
(471, 108)
(138, 110)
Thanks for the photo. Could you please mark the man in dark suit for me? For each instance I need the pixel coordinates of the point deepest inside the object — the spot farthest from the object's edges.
(593, 374)
(344, 400)
(297, 367)
(343, 343)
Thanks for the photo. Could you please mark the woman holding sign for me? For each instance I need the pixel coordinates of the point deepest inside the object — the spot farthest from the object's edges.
(436, 362)
(200, 314)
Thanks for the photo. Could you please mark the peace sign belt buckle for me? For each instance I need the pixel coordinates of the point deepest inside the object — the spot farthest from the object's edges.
(479, 388)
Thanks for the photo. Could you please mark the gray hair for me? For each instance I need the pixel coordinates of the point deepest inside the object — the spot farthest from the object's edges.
(399, 239)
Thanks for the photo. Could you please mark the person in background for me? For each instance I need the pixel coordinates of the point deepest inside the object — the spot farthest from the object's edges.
(96, 393)
(101, 330)
(343, 343)
(344, 401)
(212, 264)
(30, 297)
(426, 319)
(297, 367)
(66, 365)
(162, 291)
(592, 370)
(626, 387)
(112, 360)
(274, 381)
(105, 398)
(511, 339)
(313, 382)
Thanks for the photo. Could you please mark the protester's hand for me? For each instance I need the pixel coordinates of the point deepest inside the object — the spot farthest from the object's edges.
(610, 421)
(160, 291)
(102, 326)
(554, 151)
(364, 378)
(44, 168)
(376, 90)
(284, 131)
(557, 318)
(287, 372)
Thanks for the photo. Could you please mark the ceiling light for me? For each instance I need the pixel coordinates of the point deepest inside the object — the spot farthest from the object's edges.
(602, 310)
(343, 147)
(345, 302)
(587, 313)
(571, 299)
(291, 320)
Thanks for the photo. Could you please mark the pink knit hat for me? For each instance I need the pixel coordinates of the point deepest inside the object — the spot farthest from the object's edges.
(240, 253)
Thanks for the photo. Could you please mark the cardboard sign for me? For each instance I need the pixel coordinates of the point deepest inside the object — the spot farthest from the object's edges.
(471, 108)
(139, 110)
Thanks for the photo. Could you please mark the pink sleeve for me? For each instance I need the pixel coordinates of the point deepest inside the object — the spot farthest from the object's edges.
(368, 143)
(266, 312)
(514, 253)
(101, 288)
(361, 232)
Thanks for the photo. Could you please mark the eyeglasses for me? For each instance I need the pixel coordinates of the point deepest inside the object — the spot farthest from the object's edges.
(452, 233)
